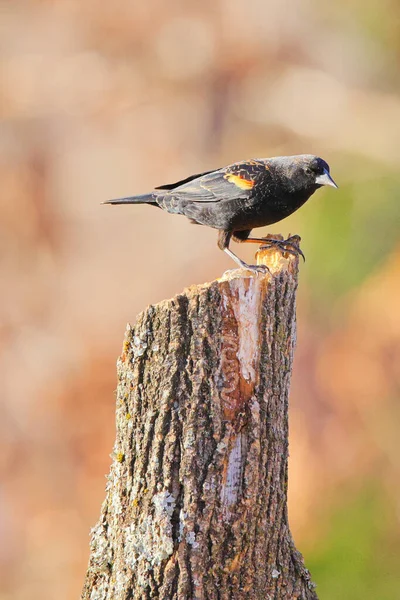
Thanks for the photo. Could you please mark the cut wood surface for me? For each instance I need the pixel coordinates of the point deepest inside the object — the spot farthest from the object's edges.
(196, 499)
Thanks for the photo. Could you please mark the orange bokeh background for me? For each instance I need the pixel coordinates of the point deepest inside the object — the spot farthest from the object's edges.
(102, 100)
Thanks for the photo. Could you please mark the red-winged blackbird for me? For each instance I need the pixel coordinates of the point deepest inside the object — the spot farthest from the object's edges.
(237, 198)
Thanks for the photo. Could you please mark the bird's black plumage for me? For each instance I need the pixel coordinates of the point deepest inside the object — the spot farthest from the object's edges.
(242, 196)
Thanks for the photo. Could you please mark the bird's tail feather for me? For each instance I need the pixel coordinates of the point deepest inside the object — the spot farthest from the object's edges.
(142, 199)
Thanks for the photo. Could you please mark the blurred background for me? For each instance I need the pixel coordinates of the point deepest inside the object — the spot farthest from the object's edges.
(100, 100)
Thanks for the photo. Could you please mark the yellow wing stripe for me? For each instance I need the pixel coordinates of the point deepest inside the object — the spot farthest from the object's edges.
(243, 184)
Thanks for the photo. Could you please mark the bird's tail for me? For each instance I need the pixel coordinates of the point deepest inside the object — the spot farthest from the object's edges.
(142, 199)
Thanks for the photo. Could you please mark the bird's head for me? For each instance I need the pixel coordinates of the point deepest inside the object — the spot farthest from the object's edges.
(302, 173)
(311, 171)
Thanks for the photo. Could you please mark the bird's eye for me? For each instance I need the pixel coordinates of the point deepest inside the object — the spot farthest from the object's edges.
(308, 170)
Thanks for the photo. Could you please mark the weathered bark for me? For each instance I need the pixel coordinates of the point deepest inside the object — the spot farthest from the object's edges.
(196, 504)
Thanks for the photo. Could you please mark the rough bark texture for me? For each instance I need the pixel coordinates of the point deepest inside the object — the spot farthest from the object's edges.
(196, 504)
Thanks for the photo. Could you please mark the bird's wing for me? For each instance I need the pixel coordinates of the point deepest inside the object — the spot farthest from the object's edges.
(235, 181)
(172, 186)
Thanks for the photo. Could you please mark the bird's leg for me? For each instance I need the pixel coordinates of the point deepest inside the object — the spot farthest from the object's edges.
(224, 238)
(290, 245)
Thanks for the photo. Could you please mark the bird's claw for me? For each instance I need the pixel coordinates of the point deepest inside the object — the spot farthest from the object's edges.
(262, 269)
(289, 246)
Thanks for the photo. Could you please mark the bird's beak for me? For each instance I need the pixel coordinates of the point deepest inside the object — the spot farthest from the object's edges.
(325, 179)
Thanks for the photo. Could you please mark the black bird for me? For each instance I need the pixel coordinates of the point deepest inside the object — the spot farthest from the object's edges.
(244, 195)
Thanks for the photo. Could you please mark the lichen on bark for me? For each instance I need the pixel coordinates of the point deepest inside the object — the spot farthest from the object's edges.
(196, 499)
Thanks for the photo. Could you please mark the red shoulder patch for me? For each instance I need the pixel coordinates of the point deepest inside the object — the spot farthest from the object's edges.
(240, 182)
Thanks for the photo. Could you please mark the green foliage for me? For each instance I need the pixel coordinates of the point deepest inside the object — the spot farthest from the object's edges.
(359, 558)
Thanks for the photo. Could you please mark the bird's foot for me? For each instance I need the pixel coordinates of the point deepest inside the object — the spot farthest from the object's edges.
(243, 265)
(258, 269)
(289, 246)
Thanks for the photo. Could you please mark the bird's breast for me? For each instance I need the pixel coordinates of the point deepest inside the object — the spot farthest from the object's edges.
(267, 207)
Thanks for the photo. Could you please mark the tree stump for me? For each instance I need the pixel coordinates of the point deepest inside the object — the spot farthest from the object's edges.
(196, 500)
